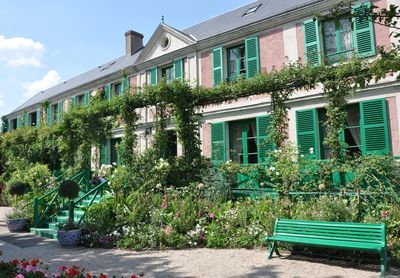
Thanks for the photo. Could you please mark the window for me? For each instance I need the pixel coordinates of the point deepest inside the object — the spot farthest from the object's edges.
(54, 116)
(168, 73)
(338, 40)
(243, 142)
(117, 89)
(366, 130)
(172, 145)
(114, 155)
(236, 62)
(241, 60)
(351, 135)
(14, 124)
(80, 100)
(33, 119)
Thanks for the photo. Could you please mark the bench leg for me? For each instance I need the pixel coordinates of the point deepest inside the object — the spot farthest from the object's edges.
(276, 251)
(271, 249)
(383, 262)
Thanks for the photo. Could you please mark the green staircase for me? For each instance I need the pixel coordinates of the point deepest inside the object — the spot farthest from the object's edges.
(50, 210)
(49, 229)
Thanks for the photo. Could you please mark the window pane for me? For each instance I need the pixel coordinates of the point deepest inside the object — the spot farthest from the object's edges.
(251, 142)
(330, 38)
(346, 38)
(233, 63)
(242, 62)
(236, 142)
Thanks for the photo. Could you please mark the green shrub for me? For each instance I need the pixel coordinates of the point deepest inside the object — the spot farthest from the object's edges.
(69, 189)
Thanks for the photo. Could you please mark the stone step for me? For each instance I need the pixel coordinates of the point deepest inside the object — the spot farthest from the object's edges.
(44, 232)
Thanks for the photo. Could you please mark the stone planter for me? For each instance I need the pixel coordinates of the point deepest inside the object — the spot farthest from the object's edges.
(69, 238)
(16, 225)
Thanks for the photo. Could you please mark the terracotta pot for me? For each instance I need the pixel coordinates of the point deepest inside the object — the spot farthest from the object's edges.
(16, 225)
(69, 238)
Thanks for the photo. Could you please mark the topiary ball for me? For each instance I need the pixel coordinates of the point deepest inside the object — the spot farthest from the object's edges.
(18, 188)
(69, 189)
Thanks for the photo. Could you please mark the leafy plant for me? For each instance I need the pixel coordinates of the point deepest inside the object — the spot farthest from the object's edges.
(69, 189)
(18, 188)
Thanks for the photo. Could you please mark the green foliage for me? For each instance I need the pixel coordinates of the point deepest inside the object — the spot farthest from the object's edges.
(18, 188)
(68, 226)
(69, 189)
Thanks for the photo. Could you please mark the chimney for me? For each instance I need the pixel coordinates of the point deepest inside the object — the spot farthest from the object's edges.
(133, 42)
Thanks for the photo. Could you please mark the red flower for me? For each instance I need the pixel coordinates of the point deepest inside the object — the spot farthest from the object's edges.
(103, 276)
(72, 272)
(34, 262)
(25, 263)
(134, 276)
(88, 275)
(15, 262)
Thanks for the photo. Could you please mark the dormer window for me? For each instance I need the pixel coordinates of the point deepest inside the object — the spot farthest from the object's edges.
(252, 10)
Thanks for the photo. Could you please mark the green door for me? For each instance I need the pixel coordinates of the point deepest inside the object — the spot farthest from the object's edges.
(243, 146)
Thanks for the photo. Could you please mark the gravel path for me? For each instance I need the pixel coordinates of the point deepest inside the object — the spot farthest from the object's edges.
(184, 263)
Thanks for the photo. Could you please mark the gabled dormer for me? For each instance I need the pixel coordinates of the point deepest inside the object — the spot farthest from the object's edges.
(164, 40)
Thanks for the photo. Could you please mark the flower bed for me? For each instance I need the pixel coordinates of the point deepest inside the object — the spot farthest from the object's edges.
(37, 269)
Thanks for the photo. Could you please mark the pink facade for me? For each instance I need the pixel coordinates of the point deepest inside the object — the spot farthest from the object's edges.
(381, 32)
(300, 41)
(206, 140)
(133, 82)
(272, 51)
(393, 125)
(206, 69)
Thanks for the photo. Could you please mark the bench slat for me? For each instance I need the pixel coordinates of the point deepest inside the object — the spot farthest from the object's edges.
(338, 238)
(331, 224)
(330, 233)
(321, 242)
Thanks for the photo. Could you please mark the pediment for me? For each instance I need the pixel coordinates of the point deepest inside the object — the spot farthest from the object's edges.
(163, 41)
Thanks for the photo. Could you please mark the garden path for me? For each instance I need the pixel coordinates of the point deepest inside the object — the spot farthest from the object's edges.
(182, 263)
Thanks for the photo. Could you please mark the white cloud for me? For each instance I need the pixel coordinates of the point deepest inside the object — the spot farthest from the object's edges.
(20, 51)
(50, 79)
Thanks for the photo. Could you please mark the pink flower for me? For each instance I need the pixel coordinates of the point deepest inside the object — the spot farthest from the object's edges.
(62, 268)
(211, 215)
(178, 214)
(19, 276)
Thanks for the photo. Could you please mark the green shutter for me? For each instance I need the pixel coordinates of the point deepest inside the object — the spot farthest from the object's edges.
(73, 101)
(252, 57)
(26, 119)
(107, 90)
(48, 115)
(124, 85)
(178, 69)
(217, 64)
(307, 132)
(104, 152)
(363, 32)
(263, 146)
(153, 76)
(218, 142)
(59, 111)
(9, 126)
(38, 117)
(18, 121)
(374, 127)
(86, 98)
(312, 42)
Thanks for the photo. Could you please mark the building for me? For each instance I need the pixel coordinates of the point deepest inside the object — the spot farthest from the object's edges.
(261, 36)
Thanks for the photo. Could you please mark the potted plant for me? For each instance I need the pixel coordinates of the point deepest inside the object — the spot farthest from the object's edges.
(69, 234)
(16, 220)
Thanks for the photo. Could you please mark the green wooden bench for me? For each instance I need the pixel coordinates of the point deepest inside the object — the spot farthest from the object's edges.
(340, 235)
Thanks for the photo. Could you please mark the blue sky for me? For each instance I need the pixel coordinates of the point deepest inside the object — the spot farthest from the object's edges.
(43, 42)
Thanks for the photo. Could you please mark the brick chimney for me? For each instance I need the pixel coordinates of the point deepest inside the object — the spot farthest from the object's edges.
(133, 42)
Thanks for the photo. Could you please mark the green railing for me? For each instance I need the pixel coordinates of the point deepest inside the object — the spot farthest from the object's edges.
(52, 207)
(99, 189)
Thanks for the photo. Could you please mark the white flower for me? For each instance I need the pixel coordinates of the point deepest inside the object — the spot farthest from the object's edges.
(277, 173)
(262, 184)
(311, 150)
(159, 186)
(272, 168)
(114, 164)
(108, 167)
(302, 155)
(275, 151)
(200, 186)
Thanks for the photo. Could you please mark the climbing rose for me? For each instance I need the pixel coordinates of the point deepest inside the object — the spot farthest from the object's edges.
(102, 276)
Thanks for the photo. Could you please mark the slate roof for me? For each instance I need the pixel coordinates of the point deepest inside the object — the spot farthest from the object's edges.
(204, 30)
(82, 79)
(235, 19)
